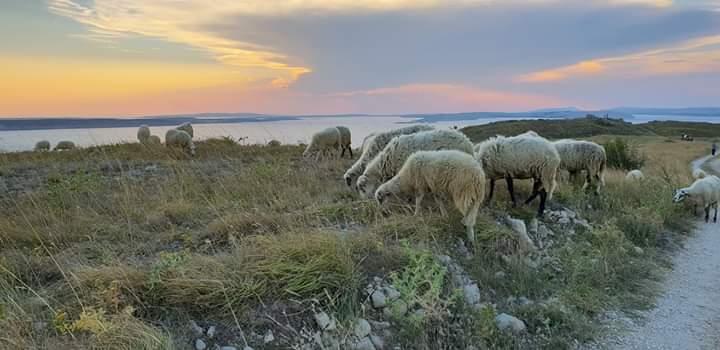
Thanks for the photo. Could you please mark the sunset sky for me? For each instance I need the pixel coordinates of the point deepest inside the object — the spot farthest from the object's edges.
(144, 57)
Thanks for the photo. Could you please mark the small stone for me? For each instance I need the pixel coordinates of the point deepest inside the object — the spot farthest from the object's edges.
(570, 214)
(211, 331)
(361, 328)
(364, 344)
(378, 299)
(563, 220)
(500, 274)
(200, 344)
(544, 231)
(524, 301)
(324, 322)
(379, 325)
(420, 312)
(445, 259)
(39, 326)
(248, 348)
(233, 348)
(391, 293)
(509, 323)
(638, 250)
(197, 330)
(269, 337)
(377, 341)
(472, 294)
(531, 263)
(518, 226)
(377, 280)
(582, 223)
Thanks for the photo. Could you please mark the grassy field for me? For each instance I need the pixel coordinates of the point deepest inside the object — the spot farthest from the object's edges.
(119, 247)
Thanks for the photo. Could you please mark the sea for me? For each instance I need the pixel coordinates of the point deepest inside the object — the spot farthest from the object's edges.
(294, 131)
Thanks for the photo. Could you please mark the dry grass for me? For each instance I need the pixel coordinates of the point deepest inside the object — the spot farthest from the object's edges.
(140, 239)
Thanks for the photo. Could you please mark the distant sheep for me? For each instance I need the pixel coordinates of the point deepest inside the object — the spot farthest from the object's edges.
(186, 127)
(274, 143)
(448, 173)
(520, 157)
(154, 140)
(64, 146)
(373, 145)
(705, 191)
(634, 175)
(143, 134)
(345, 140)
(324, 143)
(42, 146)
(698, 174)
(180, 138)
(576, 156)
(389, 161)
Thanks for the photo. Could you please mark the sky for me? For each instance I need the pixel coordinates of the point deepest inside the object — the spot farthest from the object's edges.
(152, 57)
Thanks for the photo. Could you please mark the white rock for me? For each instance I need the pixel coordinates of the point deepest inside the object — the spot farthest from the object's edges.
(391, 293)
(200, 344)
(324, 322)
(563, 220)
(269, 337)
(500, 274)
(364, 344)
(378, 342)
(583, 223)
(509, 323)
(570, 214)
(248, 348)
(211, 331)
(638, 250)
(361, 328)
(197, 330)
(544, 232)
(526, 244)
(378, 299)
(234, 348)
(379, 325)
(472, 294)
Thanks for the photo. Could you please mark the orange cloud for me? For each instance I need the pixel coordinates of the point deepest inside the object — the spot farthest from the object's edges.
(701, 55)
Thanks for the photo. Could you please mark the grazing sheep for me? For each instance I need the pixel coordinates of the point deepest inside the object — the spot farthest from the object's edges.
(705, 191)
(447, 173)
(324, 142)
(186, 127)
(634, 175)
(389, 161)
(180, 138)
(576, 156)
(520, 157)
(154, 140)
(698, 174)
(42, 146)
(64, 146)
(366, 141)
(345, 140)
(143, 134)
(373, 145)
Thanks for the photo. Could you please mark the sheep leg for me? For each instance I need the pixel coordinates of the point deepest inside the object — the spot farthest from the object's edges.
(707, 214)
(418, 203)
(343, 152)
(715, 217)
(440, 205)
(469, 221)
(543, 198)
(350, 150)
(535, 192)
(492, 190)
(509, 181)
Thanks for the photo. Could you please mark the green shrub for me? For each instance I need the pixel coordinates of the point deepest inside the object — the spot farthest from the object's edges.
(622, 154)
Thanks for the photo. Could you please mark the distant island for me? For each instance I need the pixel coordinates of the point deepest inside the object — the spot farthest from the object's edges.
(15, 124)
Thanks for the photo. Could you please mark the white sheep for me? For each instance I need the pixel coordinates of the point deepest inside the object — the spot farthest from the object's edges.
(520, 157)
(42, 146)
(345, 140)
(576, 156)
(143, 134)
(64, 146)
(373, 145)
(186, 127)
(366, 141)
(154, 140)
(389, 161)
(180, 138)
(705, 191)
(698, 174)
(324, 142)
(634, 175)
(447, 173)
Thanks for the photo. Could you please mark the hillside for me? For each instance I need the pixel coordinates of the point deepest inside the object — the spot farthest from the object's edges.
(142, 247)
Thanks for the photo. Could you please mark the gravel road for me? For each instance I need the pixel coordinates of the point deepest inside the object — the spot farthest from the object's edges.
(687, 314)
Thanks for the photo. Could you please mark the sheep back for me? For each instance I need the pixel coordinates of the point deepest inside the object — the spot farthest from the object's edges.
(143, 133)
(326, 140)
(43, 145)
(186, 127)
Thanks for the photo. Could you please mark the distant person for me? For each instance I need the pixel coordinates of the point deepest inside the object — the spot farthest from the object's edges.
(714, 148)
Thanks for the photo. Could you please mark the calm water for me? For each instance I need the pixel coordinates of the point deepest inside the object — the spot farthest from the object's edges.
(291, 131)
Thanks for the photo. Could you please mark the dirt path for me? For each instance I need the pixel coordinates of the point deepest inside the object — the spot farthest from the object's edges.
(687, 314)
